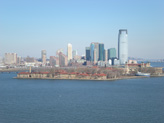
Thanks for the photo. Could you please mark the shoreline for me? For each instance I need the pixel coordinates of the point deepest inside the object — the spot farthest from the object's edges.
(112, 79)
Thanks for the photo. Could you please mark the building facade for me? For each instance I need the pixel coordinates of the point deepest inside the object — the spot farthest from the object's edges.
(10, 58)
(44, 56)
(87, 53)
(69, 51)
(63, 60)
(101, 52)
(106, 55)
(92, 47)
(54, 61)
(111, 53)
(123, 46)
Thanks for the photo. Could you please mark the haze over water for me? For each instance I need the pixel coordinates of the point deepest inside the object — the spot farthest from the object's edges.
(67, 101)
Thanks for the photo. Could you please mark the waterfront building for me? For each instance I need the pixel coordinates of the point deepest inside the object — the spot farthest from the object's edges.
(101, 52)
(10, 58)
(74, 53)
(44, 56)
(111, 53)
(69, 51)
(54, 61)
(87, 53)
(63, 60)
(123, 46)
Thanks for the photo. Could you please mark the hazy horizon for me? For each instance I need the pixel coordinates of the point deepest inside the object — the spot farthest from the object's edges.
(27, 27)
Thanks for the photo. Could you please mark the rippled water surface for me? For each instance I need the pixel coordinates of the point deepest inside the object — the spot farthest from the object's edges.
(67, 101)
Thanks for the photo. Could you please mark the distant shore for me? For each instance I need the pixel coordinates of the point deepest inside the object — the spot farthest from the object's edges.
(111, 79)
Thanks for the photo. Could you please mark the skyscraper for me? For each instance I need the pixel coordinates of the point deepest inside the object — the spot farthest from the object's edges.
(106, 55)
(97, 51)
(101, 52)
(69, 51)
(87, 53)
(43, 55)
(94, 47)
(123, 46)
(111, 53)
(63, 60)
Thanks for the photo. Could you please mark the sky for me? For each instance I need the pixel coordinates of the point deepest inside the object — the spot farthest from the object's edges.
(29, 26)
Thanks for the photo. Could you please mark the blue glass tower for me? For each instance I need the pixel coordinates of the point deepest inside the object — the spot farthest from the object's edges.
(123, 46)
(101, 52)
(92, 47)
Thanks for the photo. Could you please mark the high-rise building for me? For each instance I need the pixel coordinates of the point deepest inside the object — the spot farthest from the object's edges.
(10, 58)
(97, 50)
(101, 52)
(87, 53)
(106, 55)
(44, 57)
(63, 60)
(54, 61)
(95, 56)
(69, 51)
(111, 53)
(123, 46)
(74, 53)
(94, 47)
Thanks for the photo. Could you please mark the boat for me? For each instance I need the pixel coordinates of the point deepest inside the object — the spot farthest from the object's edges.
(142, 74)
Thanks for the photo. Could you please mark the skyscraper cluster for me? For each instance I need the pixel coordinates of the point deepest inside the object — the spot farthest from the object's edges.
(95, 54)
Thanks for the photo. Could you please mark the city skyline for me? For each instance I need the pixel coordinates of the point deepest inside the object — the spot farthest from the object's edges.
(28, 27)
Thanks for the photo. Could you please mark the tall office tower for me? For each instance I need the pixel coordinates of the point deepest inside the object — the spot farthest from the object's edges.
(95, 56)
(54, 61)
(63, 60)
(69, 51)
(87, 53)
(93, 46)
(74, 53)
(123, 46)
(97, 49)
(44, 56)
(106, 55)
(111, 53)
(101, 52)
(10, 58)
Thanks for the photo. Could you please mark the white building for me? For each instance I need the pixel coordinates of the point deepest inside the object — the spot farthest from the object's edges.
(69, 51)
(10, 58)
(44, 56)
(123, 46)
